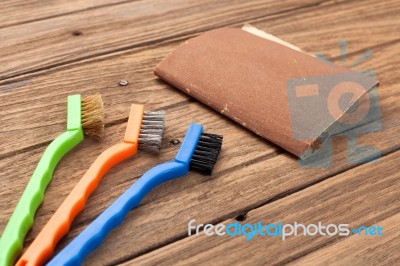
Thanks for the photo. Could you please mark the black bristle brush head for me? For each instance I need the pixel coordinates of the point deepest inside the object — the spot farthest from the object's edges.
(206, 153)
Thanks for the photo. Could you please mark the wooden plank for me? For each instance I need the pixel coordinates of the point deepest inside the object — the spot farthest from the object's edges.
(19, 99)
(157, 206)
(364, 195)
(121, 27)
(361, 250)
(15, 12)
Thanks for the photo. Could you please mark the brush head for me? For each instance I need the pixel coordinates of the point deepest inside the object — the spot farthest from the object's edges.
(151, 131)
(206, 153)
(93, 116)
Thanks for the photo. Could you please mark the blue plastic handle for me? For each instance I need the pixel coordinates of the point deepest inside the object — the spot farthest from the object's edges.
(92, 237)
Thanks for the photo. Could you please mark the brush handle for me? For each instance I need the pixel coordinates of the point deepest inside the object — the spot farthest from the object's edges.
(42, 248)
(92, 237)
(11, 242)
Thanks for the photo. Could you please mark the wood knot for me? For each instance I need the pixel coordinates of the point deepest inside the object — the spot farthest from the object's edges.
(76, 33)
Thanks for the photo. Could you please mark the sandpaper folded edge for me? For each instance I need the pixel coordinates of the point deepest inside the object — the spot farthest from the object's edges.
(302, 148)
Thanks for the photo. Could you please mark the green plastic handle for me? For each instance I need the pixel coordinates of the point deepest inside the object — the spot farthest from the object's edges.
(11, 242)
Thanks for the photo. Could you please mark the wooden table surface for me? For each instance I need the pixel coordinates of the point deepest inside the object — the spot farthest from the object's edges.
(51, 49)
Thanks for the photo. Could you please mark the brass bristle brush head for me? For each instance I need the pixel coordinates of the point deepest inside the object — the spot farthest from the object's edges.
(93, 116)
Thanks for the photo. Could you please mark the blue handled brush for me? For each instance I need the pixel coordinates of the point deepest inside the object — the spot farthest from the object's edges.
(199, 152)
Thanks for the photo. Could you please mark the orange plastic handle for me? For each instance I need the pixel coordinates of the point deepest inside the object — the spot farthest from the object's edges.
(42, 248)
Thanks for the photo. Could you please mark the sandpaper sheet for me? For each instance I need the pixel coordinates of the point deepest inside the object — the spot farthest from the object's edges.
(280, 93)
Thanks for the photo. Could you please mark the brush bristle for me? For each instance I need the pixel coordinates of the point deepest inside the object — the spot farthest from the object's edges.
(93, 116)
(152, 130)
(206, 153)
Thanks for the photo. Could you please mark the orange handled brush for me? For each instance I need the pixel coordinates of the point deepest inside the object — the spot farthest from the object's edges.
(144, 130)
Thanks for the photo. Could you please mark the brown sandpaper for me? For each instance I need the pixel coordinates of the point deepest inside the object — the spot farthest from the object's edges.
(246, 78)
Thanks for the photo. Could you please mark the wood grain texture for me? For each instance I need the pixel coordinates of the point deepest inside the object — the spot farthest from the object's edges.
(251, 174)
(319, 29)
(30, 101)
(103, 76)
(360, 250)
(15, 12)
(49, 43)
(361, 196)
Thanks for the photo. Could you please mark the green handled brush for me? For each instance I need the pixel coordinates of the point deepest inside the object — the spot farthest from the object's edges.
(85, 117)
